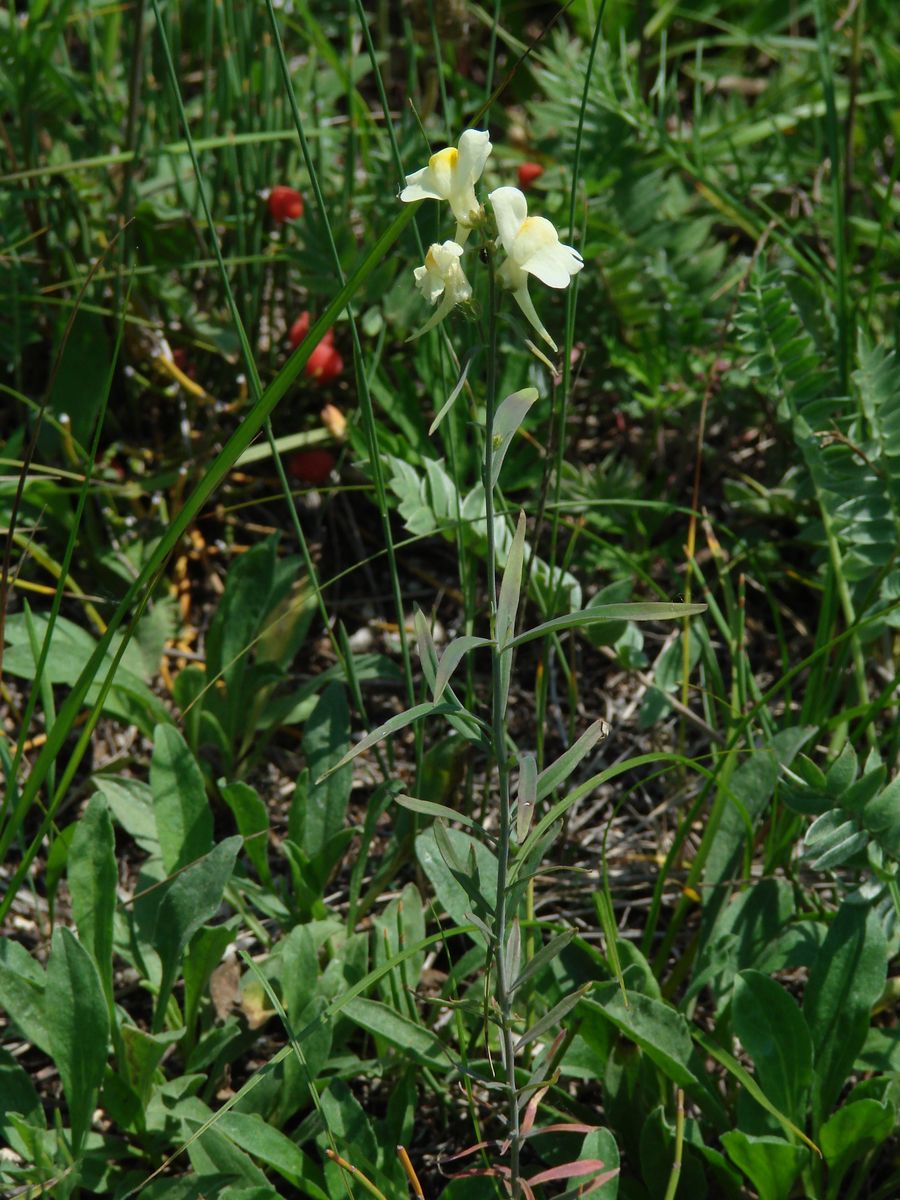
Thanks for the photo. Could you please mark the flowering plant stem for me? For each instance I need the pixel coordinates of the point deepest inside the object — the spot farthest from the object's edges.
(498, 723)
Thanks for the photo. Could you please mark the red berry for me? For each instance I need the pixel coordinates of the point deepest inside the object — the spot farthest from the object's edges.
(299, 329)
(528, 173)
(285, 204)
(324, 364)
(311, 466)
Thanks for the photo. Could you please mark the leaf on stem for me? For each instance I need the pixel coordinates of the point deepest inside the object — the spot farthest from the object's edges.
(560, 770)
(509, 416)
(460, 384)
(528, 782)
(510, 587)
(651, 610)
(394, 725)
(451, 658)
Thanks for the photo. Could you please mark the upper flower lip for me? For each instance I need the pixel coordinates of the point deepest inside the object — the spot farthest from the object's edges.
(451, 175)
(532, 243)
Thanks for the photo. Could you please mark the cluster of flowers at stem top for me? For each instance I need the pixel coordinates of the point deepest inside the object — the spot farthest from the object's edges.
(531, 244)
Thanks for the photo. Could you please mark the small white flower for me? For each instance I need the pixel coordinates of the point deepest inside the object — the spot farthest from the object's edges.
(451, 175)
(533, 248)
(442, 276)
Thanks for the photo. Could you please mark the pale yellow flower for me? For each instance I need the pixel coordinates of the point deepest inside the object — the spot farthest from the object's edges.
(442, 278)
(451, 175)
(533, 247)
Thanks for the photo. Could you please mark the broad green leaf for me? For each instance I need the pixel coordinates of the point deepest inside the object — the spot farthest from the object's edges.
(204, 954)
(647, 611)
(93, 879)
(184, 822)
(143, 1054)
(349, 1124)
(326, 734)
(560, 770)
(385, 1022)
(22, 993)
(770, 1163)
(743, 1076)
(850, 1134)
(845, 982)
(252, 819)
(510, 414)
(448, 891)
(78, 1027)
(774, 1034)
(17, 1095)
(254, 1135)
(661, 1032)
(451, 659)
(601, 1144)
(190, 900)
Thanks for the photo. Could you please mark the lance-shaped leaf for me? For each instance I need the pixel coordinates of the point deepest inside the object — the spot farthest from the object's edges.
(651, 610)
(528, 781)
(427, 650)
(460, 384)
(553, 1017)
(542, 958)
(394, 725)
(560, 770)
(574, 1170)
(507, 419)
(451, 658)
(430, 809)
(512, 955)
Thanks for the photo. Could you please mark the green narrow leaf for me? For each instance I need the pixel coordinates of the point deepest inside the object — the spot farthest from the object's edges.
(93, 878)
(551, 777)
(510, 414)
(648, 611)
(394, 725)
(510, 587)
(460, 384)
(78, 1027)
(552, 1018)
(184, 821)
(430, 809)
(451, 659)
(542, 958)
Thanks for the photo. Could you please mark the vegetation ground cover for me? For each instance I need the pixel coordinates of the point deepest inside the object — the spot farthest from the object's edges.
(451, 496)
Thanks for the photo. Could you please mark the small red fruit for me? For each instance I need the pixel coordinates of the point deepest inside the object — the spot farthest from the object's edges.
(299, 329)
(311, 466)
(528, 173)
(324, 364)
(285, 204)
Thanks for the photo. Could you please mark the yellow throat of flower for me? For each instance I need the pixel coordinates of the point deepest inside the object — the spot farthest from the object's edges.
(444, 158)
